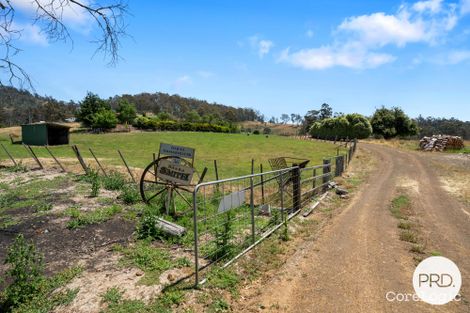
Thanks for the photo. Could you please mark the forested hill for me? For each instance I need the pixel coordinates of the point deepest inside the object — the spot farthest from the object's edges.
(20, 107)
(179, 106)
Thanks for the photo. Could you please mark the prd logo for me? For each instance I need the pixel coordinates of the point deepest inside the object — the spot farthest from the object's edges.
(437, 280)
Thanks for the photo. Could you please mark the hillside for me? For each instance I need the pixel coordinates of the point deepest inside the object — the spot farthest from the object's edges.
(276, 129)
(20, 107)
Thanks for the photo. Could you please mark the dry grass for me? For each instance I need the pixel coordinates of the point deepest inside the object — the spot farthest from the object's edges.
(276, 129)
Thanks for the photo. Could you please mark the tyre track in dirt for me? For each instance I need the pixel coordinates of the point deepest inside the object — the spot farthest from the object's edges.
(359, 257)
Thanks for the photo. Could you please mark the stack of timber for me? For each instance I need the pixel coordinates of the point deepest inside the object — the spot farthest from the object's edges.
(441, 143)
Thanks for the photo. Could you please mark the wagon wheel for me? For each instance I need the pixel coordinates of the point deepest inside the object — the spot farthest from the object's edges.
(155, 190)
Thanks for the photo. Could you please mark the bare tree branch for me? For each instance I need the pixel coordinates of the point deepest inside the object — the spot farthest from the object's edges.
(49, 16)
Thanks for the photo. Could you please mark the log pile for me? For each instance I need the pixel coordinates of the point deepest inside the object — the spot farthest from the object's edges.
(441, 143)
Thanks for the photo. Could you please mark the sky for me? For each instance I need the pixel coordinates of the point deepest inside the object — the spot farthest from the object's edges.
(274, 56)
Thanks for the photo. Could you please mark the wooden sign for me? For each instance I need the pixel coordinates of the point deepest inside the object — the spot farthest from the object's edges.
(174, 173)
(176, 151)
(232, 201)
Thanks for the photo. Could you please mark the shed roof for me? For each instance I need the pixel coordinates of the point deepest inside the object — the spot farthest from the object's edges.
(49, 124)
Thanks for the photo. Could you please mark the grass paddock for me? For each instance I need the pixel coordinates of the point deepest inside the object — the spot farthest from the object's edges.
(233, 152)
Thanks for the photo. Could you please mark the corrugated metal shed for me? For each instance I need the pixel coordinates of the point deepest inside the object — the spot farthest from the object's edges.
(45, 134)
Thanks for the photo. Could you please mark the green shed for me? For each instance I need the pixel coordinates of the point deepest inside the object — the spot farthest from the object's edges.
(45, 134)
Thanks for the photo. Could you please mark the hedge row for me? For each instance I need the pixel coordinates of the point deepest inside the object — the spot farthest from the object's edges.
(347, 126)
(143, 122)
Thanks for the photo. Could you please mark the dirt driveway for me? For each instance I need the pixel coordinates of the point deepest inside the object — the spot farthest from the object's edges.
(359, 257)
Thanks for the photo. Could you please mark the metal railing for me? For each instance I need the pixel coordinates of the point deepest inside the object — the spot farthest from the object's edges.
(232, 215)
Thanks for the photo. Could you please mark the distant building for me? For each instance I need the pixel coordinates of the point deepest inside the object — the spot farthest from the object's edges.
(45, 134)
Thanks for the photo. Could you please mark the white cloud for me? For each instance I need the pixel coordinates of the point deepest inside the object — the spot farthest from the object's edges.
(464, 7)
(403, 27)
(69, 12)
(262, 46)
(455, 57)
(309, 33)
(359, 39)
(433, 6)
(327, 57)
(31, 34)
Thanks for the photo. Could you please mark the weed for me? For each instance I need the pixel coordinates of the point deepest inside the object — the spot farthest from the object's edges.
(223, 279)
(219, 305)
(417, 248)
(172, 297)
(404, 224)
(285, 231)
(113, 181)
(18, 168)
(26, 271)
(408, 236)
(183, 262)
(223, 234)
(97, 216)
(436, 253)
(147, 227)
(112, 296)
(146, 257)
(399, 206)
(129, 194)
(43, 207)
(95, 187)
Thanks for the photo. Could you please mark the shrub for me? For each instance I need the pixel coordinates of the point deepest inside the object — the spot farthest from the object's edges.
(348, 126)
(130, 194)
(392, 122)
(256, 132)
(267, 131)
(26, 271)
(113, 181)
(147, 227)
(104, 119)
(95, 186)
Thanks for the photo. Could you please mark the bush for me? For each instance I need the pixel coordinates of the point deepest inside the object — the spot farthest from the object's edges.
(147, 227)
(143, 122)
(26, 271)
(113, 181)
(267, 131)
(256, 132)
(393, 122)
(104, 119)
(130, 194)
(348, 126)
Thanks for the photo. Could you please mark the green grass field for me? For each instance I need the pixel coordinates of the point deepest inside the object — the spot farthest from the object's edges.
(232, 151)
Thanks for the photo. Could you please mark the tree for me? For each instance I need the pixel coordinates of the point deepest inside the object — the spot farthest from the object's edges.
(326, 111)
(347, 126)
(104, 120)
(50, 17)
(91, 105)
(392, 122)
(285, 118)
(126, 112)
(192, 117)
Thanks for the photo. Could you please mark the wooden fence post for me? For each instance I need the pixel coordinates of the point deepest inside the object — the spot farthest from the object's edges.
(128, 169)
(55, 159)
(33, 155)
(80, 159)
(98, 162)
(9, 155)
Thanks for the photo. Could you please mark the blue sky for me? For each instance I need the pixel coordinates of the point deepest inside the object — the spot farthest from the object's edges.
(274, 56)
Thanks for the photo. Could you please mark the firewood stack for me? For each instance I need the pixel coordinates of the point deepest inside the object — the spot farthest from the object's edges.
(441, 143)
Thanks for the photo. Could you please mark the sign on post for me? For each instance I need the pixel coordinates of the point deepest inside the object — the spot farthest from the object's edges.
(177, 151)
(174, 173)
